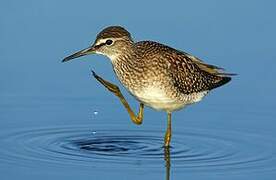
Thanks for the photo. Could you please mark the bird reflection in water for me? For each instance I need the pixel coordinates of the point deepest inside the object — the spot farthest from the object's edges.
(167, 158)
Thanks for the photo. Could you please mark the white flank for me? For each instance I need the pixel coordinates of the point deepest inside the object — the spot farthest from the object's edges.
(157, 99)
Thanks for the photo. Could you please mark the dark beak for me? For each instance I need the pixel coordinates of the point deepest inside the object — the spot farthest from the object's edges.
(89, 50)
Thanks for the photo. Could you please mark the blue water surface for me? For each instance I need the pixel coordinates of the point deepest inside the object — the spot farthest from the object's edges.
(57, 122)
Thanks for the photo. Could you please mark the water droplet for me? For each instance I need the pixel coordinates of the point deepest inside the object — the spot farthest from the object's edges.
(95, 112)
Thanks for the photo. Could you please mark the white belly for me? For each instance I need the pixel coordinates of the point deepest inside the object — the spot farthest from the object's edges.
(157, 98)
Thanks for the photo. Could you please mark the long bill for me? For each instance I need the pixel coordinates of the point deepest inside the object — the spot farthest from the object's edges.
(89, 50)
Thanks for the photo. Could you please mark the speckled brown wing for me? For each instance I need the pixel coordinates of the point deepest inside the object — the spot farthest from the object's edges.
(191, 75)
(188, 73)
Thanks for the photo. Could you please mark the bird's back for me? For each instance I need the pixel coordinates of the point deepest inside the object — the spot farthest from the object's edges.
(187, 73)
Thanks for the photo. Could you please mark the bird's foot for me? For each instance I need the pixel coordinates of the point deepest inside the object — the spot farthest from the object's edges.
(111, 87)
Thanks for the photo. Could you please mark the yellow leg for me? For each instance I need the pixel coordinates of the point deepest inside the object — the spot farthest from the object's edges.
(116, 91)
(168, 135)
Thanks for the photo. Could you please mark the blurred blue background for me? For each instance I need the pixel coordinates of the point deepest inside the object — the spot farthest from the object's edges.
(37, 90)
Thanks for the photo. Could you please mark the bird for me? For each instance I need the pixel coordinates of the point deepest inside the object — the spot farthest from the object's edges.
(155, 74)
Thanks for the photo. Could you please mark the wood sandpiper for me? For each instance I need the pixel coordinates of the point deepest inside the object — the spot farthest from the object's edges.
(157, 75)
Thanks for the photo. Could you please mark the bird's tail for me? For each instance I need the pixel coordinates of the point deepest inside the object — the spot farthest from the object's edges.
(222, 79)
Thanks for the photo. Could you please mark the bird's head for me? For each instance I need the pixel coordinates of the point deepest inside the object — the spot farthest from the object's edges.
(111, 42)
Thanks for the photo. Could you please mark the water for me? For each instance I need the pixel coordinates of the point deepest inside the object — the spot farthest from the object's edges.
(195, 150)
(57, 122)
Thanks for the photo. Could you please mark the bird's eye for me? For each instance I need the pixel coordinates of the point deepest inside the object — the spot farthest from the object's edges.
(108, 42)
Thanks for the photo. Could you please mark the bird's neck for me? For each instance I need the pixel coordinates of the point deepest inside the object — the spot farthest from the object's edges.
(126, 66)
(124, 55)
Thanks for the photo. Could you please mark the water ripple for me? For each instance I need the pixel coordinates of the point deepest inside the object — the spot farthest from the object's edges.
(200, 150)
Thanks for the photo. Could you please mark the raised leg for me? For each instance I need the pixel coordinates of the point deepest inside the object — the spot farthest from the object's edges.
(116, 91)
(168, 135)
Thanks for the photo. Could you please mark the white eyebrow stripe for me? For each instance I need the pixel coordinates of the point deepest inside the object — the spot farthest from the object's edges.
(102, 41)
